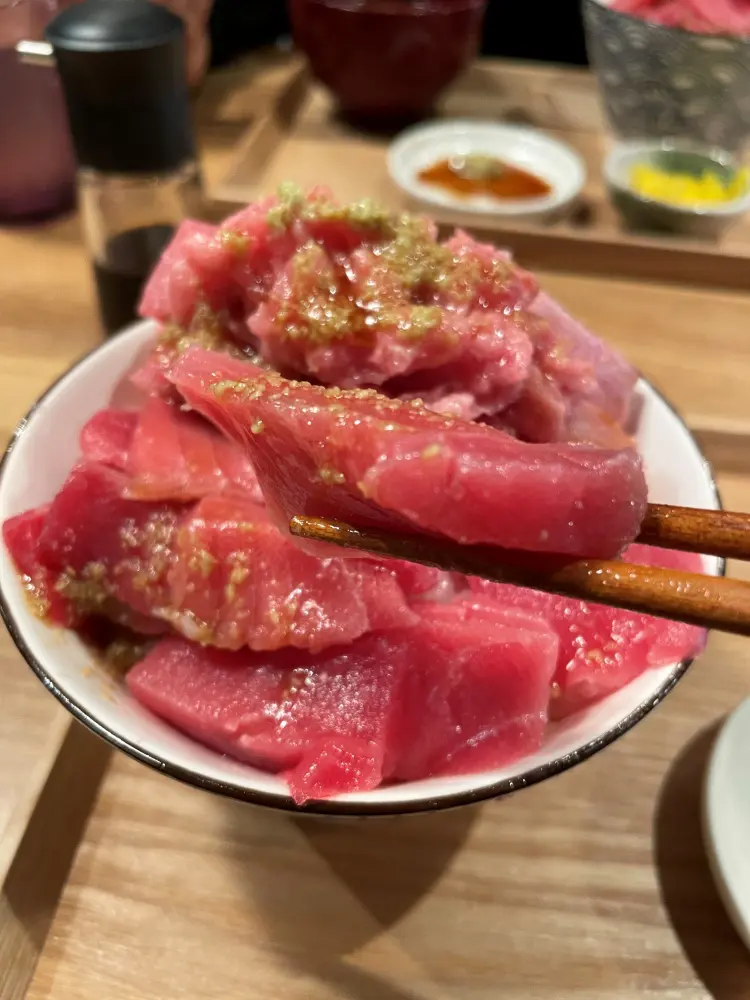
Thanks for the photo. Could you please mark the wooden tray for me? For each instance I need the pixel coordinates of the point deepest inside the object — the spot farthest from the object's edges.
(116, 882)
(301, 138)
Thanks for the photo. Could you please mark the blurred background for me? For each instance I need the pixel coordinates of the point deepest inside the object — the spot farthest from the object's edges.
(237, 26)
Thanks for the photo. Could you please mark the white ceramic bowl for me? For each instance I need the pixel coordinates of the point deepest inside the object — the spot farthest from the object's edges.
(420, 147)
(37, 462)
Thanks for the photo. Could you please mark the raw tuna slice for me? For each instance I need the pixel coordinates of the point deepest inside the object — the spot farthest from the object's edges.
(390, 308)
(174, 288)
(348, 325)
(178, 456)
(360, 457)
(612, 377)
(55, 596)
(602, 649)
(219, 572)
(21, 535)
(323, 719)
(168, 454)
(476, 695)
(577, 390)
(103, 546)
(464, 689)
(479, 276)
(237, 581)
(229, 270)
(487, 375)
(107, 437)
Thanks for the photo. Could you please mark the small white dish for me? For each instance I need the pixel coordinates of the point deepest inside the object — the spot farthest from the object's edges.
(726, 817)
(709, 220)
(36, 464)
(529, 149)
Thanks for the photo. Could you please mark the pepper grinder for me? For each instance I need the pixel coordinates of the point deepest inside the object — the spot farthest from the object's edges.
(123, 73)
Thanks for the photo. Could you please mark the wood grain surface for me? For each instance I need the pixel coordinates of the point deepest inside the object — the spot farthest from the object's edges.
(592, 885)
(303, 131)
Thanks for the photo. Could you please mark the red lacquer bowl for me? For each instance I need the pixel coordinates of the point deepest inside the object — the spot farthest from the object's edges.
(387, 58)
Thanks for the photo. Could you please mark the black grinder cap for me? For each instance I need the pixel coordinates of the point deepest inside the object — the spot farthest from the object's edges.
(123, 71)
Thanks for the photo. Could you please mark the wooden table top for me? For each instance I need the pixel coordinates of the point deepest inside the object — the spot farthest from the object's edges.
(591, 885)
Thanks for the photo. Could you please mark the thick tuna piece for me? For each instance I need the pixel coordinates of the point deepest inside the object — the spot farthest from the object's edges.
(55, 595)
(108, 436)
(488, 374)
(237, 581)
(580, 389)
(228, 270)
(21, 535)
(465, 689)
(175, 287)
(178, 456)
(168, 454)
(323, 719)
(104, 546)
(219, 572)
(349, 324)
(360, 457)
(480, 276)
(476, 696)
(602, 649)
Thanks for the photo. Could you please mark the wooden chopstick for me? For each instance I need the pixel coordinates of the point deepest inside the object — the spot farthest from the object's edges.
(711, 532)
(709, 602)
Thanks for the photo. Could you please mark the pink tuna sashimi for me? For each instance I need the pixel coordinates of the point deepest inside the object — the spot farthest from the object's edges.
(107, 437)
(179, 456)
(168, 454)
(612, 377)
(390, 308)
(219, 572)
(363, 458)
(21, 535)
(487, 375)
(601, 648)
(480, 276)
(174, 287)
(464, 689)
(476, 697)
(103, 546)
(348, 324)
(578, 389)
(54, 595)
(237, 581)
(323, 719)
(228, 270)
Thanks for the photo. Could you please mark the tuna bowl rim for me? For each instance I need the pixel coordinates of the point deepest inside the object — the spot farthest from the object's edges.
(667, 29)
(94, 698)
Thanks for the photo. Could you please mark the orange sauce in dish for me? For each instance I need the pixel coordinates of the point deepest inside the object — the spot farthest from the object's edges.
(475, 174)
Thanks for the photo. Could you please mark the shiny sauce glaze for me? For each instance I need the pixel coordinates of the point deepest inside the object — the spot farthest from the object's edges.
(477, 174)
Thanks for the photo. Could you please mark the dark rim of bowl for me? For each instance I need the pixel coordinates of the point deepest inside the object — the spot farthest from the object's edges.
(334, 807)
(666, 28)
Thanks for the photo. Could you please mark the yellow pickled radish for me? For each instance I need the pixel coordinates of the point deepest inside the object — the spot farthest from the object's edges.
(686, 189)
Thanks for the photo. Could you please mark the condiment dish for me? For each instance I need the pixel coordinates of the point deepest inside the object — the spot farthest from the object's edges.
(419, 148)
(707, 220)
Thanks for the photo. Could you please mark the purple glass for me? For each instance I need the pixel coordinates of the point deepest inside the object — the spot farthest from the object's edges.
(37, 166)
